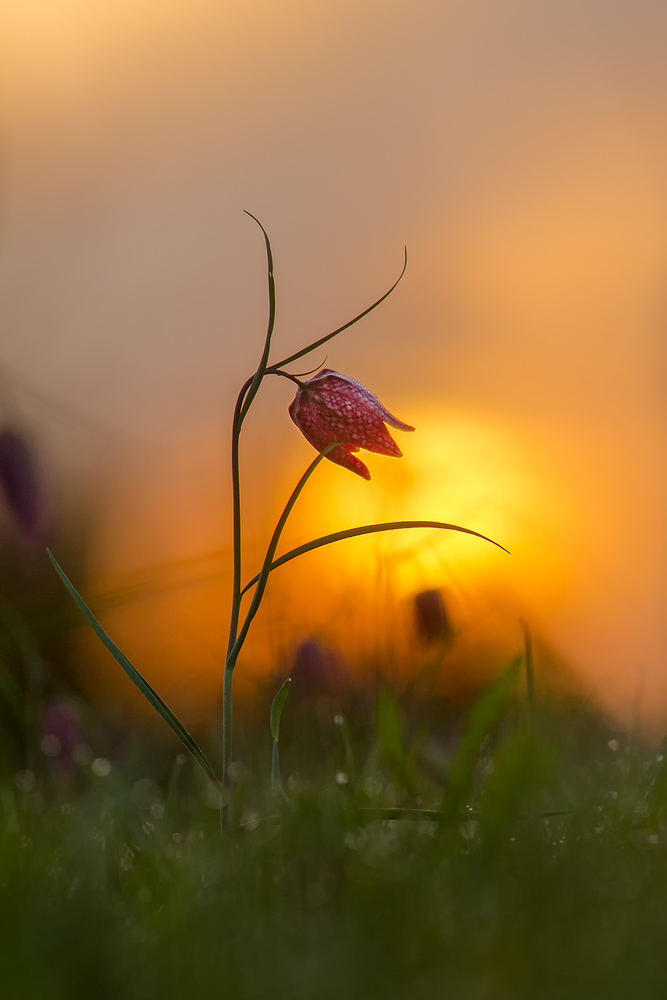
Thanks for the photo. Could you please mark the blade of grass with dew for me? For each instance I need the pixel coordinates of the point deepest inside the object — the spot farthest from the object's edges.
(350, 762)
(367, 529)
(277, 706)
(153, 697)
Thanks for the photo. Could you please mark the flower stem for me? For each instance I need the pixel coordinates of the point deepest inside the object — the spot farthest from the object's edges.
(235, 642)
(236, 584)
(270, 552)
(227, 716)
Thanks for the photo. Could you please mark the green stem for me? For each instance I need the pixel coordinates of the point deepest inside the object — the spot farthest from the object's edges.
(236, 585)
(236, 641)
(276, 783)
(270, 552)
(243, 403)
(236, 516)
(227, 704)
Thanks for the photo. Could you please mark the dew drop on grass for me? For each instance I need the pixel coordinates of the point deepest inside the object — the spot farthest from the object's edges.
(145, 793)
(250, 821)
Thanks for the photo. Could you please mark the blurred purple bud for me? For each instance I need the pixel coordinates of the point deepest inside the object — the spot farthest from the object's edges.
(317, 670)
(19, 481)
(431, 618)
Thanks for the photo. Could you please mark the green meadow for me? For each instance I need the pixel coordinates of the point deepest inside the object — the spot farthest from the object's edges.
(516, 850)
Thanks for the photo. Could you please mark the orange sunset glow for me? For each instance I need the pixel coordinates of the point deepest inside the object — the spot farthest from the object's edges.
(518, 149)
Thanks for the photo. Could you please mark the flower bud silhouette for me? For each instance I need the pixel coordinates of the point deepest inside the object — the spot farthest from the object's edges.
(330, 407)
(19, 482)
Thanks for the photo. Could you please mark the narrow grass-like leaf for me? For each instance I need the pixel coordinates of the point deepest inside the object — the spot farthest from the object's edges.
(524, 767)
(367, 529)
(483, 716)
(236, 524)
(389, 724)
(270, 552)
(261, 369)
(530, 670)
(153, 697)
(330, 336)
(350, 762)
(277, 706)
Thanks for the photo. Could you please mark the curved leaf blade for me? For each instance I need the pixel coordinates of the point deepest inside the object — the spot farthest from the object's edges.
(263, 575)
(330, 336)
(261, 369)
(367, 529)
(149, 692)
(277, 706)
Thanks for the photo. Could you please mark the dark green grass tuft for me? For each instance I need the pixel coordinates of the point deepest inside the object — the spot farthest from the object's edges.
(532, 865)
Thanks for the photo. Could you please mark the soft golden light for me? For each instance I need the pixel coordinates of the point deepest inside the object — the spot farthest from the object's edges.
(457, 469)
(521, 161)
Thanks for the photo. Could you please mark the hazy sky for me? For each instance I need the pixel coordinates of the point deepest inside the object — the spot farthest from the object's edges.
(518, 149)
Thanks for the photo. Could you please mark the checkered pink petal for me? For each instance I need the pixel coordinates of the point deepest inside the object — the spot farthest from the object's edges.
(331, 407)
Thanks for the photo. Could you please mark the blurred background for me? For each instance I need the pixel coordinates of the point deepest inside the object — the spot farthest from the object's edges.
(518, 149)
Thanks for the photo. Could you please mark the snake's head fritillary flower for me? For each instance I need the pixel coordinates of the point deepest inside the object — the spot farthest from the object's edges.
(330, 407)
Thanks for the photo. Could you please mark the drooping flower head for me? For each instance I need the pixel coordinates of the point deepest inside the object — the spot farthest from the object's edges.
(330, 407)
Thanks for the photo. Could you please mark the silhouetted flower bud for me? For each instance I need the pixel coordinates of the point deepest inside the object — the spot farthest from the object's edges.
(20, 483)
(431, 618)
(317, 670)
(331, 407)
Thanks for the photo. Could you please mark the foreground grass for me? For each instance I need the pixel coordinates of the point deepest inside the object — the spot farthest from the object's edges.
(530, 864)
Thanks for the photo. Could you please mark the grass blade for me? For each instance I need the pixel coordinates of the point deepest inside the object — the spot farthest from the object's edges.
(261, 370)
(367, 529)
(484, 715)
(263, 576)
(153, 697)
(330, 336)
(277, 706)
